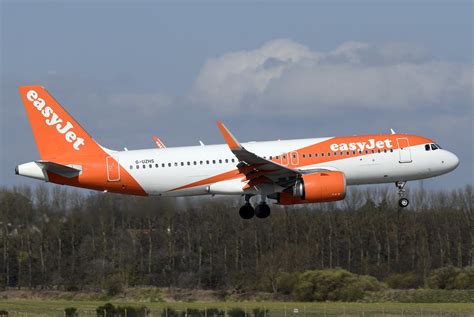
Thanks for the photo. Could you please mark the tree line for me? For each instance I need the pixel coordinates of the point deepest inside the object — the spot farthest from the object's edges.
(57, 238)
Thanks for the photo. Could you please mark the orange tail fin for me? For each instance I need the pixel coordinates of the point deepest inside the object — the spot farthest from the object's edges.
(56, 133)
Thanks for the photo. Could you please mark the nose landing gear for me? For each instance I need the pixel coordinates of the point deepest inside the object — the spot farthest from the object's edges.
(402, 202)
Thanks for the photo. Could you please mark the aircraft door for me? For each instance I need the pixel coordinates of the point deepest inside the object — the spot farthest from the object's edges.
(113, 169)
(404, 150)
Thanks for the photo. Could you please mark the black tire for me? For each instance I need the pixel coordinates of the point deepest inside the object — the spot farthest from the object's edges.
(246, 211)
(403, 202)
(262, 211)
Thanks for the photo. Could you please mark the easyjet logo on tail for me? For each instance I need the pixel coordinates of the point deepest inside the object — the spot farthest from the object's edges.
(52, 119)
(369, 145)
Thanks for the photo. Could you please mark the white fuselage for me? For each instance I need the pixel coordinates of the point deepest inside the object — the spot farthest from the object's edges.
(165, 171)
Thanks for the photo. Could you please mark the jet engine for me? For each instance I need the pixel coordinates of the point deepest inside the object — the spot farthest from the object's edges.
(316, 188)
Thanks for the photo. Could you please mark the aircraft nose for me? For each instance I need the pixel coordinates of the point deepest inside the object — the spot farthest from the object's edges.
(452, 161)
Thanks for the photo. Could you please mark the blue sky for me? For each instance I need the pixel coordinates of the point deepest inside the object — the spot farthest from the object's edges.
(269, 70)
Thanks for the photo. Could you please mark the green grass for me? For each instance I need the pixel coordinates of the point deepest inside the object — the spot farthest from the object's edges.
(276, 308)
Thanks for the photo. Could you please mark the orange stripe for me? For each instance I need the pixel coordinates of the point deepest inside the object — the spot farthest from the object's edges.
(214, 179)
(324, 147)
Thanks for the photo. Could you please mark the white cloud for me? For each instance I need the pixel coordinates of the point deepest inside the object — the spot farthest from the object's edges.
(285, 77)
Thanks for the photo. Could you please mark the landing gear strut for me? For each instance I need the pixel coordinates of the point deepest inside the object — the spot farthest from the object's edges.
(402, 202)
(247, 211)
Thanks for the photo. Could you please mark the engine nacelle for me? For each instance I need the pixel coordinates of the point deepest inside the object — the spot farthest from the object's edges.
(316, 188)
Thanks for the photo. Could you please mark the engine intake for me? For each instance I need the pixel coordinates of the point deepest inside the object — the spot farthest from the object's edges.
(315, 188)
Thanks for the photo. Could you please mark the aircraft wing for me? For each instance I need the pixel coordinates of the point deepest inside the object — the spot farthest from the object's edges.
(257, 169)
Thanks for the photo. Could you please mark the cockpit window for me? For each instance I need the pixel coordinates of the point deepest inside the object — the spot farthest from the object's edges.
(434, 147)
(439, 147)
(427, 147)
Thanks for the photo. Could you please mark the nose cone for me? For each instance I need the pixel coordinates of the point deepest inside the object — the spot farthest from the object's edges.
(451, 161)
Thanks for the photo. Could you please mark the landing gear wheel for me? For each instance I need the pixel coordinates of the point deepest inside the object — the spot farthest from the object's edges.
(246, 211)
(403, 202)
(262, 211)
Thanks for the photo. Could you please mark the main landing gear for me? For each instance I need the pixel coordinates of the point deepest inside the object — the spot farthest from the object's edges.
(402, 202)
(262, 210)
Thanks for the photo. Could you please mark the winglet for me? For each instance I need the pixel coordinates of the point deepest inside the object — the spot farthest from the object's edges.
(228, 137)
(158, 142)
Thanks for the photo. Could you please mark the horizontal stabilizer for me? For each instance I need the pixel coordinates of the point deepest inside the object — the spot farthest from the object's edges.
(68, 171)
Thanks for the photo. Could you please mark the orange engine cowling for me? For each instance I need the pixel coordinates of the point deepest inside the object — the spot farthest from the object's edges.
(316, 188)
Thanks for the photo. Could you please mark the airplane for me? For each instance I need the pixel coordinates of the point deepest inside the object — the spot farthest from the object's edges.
(300, 171)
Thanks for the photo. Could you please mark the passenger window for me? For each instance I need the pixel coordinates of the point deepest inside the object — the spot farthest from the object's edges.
(157, 165)
(200, 162)
(335, 153)
(182, 163)
(138, 167)
(309, 155)
(144, 166)
(189, 163)
(385, 150)
(373, 151)
(163, 165)
(233, 160)
(207, 162)
(294, 155)
(315, 154)
(150, 165)
(360, 152)
(366, 152)
(131, 167)
(304, 155)
(213, 161)
(348, 153)
(227, 160)
(175, 163)
(322, 154)
(391, 150)
(271, 158)
(277, 157)
(220, 161)
(378, 151)
(329, 153)
(195, 163)
(169, 164)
